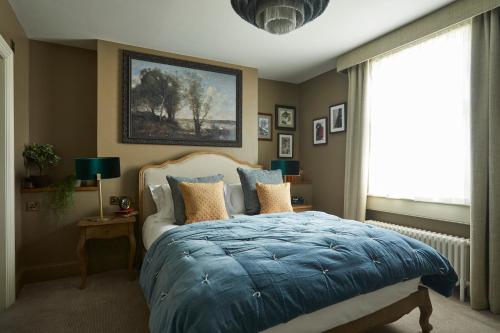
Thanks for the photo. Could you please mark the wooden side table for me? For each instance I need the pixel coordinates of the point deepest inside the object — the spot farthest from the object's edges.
(112, 228)
(302, 208)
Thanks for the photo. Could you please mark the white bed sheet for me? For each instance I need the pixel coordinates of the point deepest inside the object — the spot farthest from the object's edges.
(154, 227)
(321, 320)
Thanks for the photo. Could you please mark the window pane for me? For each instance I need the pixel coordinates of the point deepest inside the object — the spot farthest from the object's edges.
(419, 102)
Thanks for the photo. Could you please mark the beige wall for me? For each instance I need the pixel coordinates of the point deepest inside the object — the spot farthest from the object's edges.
(324, 165)
(133, 156)
(270, 94)
(10, 29)
(63, 102)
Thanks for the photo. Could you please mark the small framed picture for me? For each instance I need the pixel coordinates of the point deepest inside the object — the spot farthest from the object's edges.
(320, 136)
(285, 145)
(265, 124)
(337, 118)
(285, 117)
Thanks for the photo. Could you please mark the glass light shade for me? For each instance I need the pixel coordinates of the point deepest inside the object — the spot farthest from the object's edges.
(280, 16)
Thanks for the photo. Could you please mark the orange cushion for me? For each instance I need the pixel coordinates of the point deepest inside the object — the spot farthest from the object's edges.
(203, 201)
(274, 198)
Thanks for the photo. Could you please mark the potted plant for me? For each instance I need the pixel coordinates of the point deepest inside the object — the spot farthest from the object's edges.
(42, 156)
(62, 197)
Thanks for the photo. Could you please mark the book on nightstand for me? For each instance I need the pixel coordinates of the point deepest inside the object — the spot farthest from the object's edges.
(126, 212)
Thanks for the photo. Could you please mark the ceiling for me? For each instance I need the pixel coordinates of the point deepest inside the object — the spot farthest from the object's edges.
(210, 29)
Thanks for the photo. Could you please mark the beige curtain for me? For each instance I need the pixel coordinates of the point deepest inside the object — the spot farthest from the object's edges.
(485, 136)
(356, 174)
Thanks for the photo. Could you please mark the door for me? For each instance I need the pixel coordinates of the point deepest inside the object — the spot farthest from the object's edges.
(7, 192)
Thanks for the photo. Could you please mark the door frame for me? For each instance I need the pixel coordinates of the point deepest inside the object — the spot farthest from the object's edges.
(7, 178)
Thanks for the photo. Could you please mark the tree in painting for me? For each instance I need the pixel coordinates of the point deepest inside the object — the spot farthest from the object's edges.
(170, 102)
(199, 102)
(159, 93)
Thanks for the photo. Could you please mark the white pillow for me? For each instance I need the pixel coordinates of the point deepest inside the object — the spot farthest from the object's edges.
(233, 195)
(162, 196)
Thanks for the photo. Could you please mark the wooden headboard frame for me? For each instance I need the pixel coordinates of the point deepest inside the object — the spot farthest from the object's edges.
(196, 155)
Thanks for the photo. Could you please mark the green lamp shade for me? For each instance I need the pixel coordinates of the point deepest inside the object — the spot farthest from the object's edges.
(287, 167)
(88, 168)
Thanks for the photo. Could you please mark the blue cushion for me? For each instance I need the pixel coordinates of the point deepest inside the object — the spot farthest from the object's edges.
(249, 178)
(180, 216)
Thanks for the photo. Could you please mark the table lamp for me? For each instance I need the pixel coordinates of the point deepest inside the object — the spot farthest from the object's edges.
(97, 168)
(287, 167)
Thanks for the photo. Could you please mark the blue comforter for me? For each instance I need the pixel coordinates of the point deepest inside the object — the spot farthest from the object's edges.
(254, 272)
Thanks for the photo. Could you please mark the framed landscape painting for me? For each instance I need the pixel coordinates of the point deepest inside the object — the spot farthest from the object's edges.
(177, 102)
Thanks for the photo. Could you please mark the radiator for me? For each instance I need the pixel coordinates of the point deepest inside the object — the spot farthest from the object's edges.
(455, 249)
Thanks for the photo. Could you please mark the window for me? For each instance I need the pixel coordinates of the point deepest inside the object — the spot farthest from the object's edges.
(419, 104)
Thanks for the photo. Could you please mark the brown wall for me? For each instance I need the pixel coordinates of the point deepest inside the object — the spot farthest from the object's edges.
(270, 94)
(10, 29)
(72, 98)
(50, 239)
(133, 156)
(63, 102)
(75, 92)
(325, 164)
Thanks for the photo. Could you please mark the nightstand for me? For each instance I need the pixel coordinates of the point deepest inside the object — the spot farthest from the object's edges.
(112, 228)
(302, 208)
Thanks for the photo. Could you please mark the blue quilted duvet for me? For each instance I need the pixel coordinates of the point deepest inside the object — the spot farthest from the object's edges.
(254, 272)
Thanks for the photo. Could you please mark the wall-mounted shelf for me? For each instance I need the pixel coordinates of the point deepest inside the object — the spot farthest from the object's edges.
(51, 189)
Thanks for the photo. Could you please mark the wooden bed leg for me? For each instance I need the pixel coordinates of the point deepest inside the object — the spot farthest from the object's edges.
(425, 307)
(392, 313)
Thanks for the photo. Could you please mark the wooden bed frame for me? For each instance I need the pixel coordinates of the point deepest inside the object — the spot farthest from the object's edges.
(143, 186)
(419, 299)
(392, 313)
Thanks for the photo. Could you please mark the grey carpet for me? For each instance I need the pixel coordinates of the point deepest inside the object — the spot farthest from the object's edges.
(113, 303)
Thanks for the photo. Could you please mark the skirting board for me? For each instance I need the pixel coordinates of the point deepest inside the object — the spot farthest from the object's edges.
(46, 272)
(40, 273)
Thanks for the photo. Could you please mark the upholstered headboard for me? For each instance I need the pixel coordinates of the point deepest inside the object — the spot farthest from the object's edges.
(192, 165)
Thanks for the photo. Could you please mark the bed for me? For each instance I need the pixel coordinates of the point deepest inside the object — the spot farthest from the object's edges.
(174, 256)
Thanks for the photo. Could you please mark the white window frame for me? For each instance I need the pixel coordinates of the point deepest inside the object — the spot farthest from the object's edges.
(427, 210)
(455, 213)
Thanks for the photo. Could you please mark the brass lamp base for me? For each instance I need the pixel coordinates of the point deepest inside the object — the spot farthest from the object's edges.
(100, 219)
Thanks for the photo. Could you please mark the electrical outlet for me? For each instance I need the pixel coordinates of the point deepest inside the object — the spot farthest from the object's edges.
(114, 200)
(32, 206)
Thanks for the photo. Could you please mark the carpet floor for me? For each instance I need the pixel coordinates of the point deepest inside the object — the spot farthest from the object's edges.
(113, 303)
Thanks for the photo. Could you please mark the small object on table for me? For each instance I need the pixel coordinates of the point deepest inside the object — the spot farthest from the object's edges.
(293, 179)
(125, 203)
(302, 208)
(126, 212)
(113, 227)
(297, 200)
